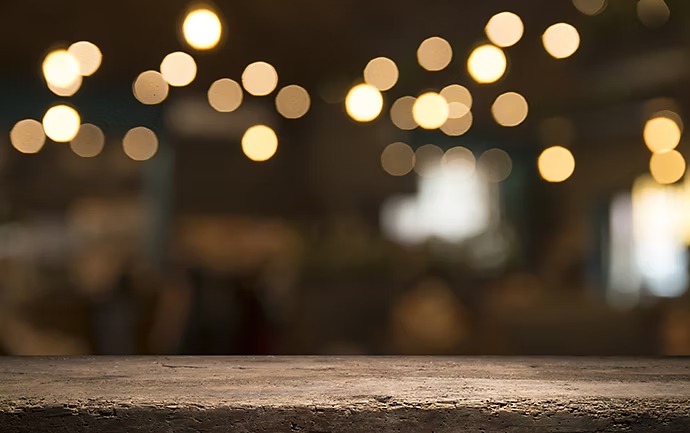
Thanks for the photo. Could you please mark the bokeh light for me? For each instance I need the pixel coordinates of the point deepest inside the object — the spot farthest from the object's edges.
(459, 157)
(495, 165)
(458, 126)
(667, 167)
(428, 159)
(590, 7)
(673, 116)
(434, 54)
(504, 29)
(259, 79)
(225, 95)
(87, 55)
(60, 69)
(561, 40)
(510, 109)
(259, 143)
(202, 29)
(61, 123)
(381, 73)
(89, 141)
(27, 136)
(661, 134)
(66, 91)
(556, 164)
(293, 101)
(430, 110)
(150, 88)
(401, 113)
(364, 103)
(653, 13)
(178, 69)
(487, 64)
(140, 143)
(397, 159)
(459, 100)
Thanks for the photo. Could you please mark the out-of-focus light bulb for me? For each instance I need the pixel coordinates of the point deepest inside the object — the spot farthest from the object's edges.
(504, 29)
(381, 73)
(667, 167)
(459, 100)
(66, 91)
(487, 64)
(561, 40)
(88, 56)
(293, 102)
(259, 143)
(225, 95)
(434, 54)
(61, 123)
(202, 29)
(140, 143)
(150, 88)
(259, 78)
(510, 109)
(661, 134)
(556, 164)
(430, 110)
(401, 113)
(178, 69)
(89, 141)
(60, 69)
(27, 136)
(397, 159)
(364, 103)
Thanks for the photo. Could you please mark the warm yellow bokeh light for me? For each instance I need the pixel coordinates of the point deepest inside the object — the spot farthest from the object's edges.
(61, 123)
(510, 109)
(293, 102)
(430, 110)
(401, 113)
(89, 141)
(590, 7)
(178, 69)
(661, 134)
(259, 143)
(150, 88)
(27, 136)
(561, 40)
(381, 73)
(225, 95)
(459, 158)
(427, 159)
(459, 100)
(504, 29)
(458, 126)
(259, 78)
(397, 159)
(140, 143)
(671, 115)
(60, 69)
(434, 54)
(556, 164)
(495, 165)
(88, 57)
(202, 29)
(487, 64)
(653, 13)
(66, 91)
(667, 167)
(364, 103)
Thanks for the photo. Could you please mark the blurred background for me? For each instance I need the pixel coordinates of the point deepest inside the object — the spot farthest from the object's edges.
(344, 177)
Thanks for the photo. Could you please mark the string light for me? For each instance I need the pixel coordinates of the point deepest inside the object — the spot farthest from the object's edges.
(364, 103)
(401, 113)
(487, 64)
(150, 88)
(556, 164)
(504, 29)
(27, 136)
(202, 29)
(259, 143)
(60, 69)
(661, 134)
(510, 109)
(381, 73)
(89, 141)
(667, 167)
(178, 69)
(561, 40)
(397, 159)
(259, 78)
(87, 55)
(140, 143)
(434, 54)
(459, 100)
(61, 123)
(430, 110)
(225, 95)
(293, 102)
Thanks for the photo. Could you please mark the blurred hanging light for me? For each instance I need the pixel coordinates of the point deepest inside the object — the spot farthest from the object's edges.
(401, 113)
(486, 64)
(259, 78)
(556, 164)
(459, 100)
(61, 123)
(27, 136)
(458, 126)
(590, 7)
(495, 165)
(364, 103)
(88, 57)
(202, 29)
(434, 54)
(397, 159)
(140, 143)
(510, 109)
(89, 141)
(504, 29)
(561, 40)
(667, 167)
(178, 69)
(60, 69)
(430, 110)
(150, 88)
(381, 73)
(459, 157)
(661, 134)
(259, 143)
(293, 102)
(225, 95)
(428, 160)
(653, 13)
(66, 91)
